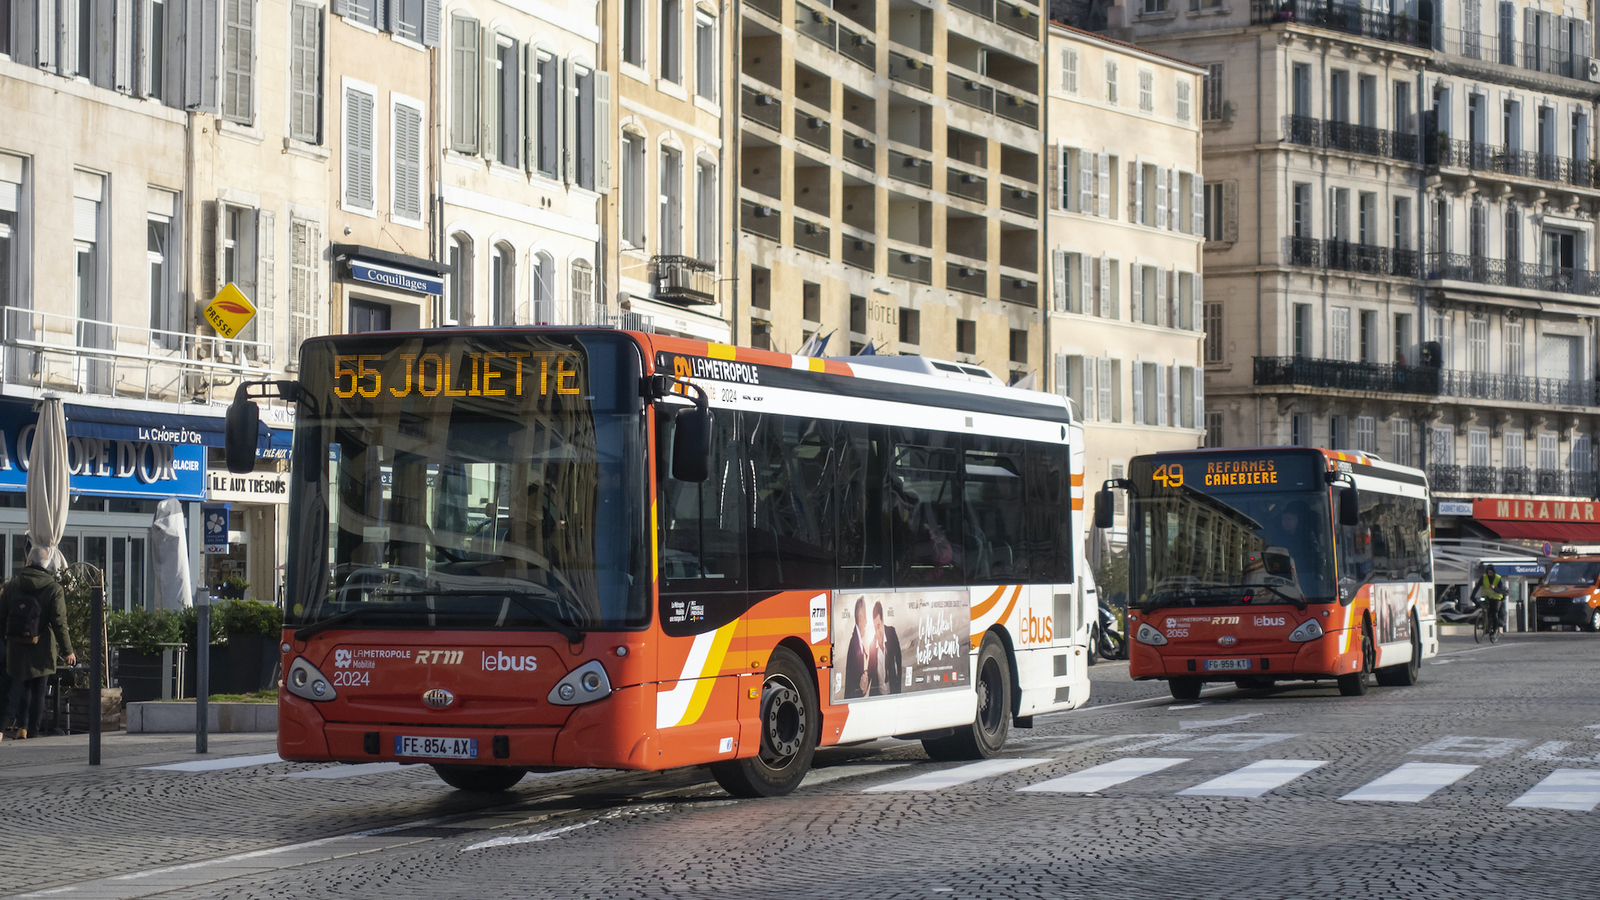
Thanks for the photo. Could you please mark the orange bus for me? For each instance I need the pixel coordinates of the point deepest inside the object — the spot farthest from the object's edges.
(1276, 564)
(535, 548)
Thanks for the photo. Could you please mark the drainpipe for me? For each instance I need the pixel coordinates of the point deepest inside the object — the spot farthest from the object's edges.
(1260, 251)
(733, 36)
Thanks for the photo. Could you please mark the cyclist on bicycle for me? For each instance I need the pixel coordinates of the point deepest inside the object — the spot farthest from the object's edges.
(1491, 589)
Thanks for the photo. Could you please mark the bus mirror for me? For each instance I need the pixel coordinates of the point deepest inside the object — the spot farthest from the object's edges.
(240, 430)
(1349, 506)
(1104, 510)
(691, 445)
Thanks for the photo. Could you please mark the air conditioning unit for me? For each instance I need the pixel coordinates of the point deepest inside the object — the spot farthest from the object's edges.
(1594, 70)
(765, 100)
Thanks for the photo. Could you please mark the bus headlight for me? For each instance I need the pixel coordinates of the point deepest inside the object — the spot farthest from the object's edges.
(305, 681)
(1309, 630)
(585, 684)
(1148, 635)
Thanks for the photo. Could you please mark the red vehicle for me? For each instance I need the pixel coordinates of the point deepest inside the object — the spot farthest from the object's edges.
(531, 548)
(1276, 564)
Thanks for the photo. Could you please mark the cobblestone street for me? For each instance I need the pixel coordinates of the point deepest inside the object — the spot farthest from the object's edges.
(1480, 781)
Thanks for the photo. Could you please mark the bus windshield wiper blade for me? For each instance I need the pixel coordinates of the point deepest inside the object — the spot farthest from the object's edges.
(1173, 598)
(567, 630)
(324, 624)
(1299, 602)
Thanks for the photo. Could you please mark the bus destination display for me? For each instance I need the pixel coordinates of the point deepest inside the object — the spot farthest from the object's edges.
(490, 373)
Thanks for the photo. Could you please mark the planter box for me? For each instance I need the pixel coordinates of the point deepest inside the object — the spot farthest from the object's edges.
(138, 674)
(177, 717)
(253, 661)
(80, 703)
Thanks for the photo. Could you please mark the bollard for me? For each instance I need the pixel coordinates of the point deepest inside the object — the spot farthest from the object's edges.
(202, 672)
(97, 649)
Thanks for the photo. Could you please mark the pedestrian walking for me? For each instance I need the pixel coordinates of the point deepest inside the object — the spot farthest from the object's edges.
(35, 611)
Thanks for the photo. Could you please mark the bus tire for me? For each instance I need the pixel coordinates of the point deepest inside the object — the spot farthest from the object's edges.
(1355, 684)
(480, 779)
(790, 723)
(1594, 621)
(1184, 688)
(1094, 644)
(1407, 673)
(991, 723)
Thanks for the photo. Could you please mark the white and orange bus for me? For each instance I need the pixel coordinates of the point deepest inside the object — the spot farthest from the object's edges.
(531, 548)
(1276, 564)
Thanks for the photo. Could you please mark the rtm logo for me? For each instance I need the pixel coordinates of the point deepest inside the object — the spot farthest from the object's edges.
(499, 662)
(441, 657)
(1036, 630)
(1224, 620)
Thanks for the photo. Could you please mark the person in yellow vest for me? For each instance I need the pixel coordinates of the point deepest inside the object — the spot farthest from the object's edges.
(1491, 589)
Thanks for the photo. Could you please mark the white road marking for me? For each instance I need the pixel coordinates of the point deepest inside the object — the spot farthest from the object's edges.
(1550, 751)
(217, 765)
(1235, 742)
(348, 771)
(1411, 783)
(1255, 779)
(1461, 745)
(550, 835)
(1573, 789)
(1215, 723)
(274, 851)
(944, 778)
(1098, 778)
(834, 773)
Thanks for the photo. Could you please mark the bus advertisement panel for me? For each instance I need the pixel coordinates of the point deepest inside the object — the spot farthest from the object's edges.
(532, 547)
(1256, 566)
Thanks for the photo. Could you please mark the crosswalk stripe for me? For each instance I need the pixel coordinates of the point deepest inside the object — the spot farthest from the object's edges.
(1411, 783)
(217, 765)
(848, 770)
(348, 771)
(1097, 778)
(1255, 779)
(1574, 789)
(943, 778)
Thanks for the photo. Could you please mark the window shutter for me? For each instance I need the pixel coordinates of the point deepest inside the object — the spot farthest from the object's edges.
(1199, 397)
(1056, 166)
(407, 162)
(239, 45)
(266, 281)
(386, 16)
(1090, 411)
(1136, 290)
(1197, 189)
(1086, 182)
(1199, 306)
(1138, 393)
(341, 7)
(530, 107)
(1108, 296)
(305, 73)
(1058, 269)
(1230, 210)
(1062, 384)
(1107, 411)
(488, 127)
(358, 150)
(1164, 296)
(1530, 48)
(37, 21)
(518, 81)
(141, 48)
(1161, 394)
(219, 218)
(203, 44)
(430, 23)
(125, 33)
(602, 132)
(1086, 300)
(1103, 186)
(569, 122)
(1136, 178)
(1161, 198)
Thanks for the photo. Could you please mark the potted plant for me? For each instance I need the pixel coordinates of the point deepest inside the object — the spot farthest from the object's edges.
(254, 629)
(138, 635)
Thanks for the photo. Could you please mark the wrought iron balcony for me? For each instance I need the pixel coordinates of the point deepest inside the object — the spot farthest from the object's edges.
(590, 314)
(1516, 388)
(1386, 378)
(684, 279)
(1310, 132)
(1511, 273)
(1476, 157)
(1348, 17)
(1347, 256)
(1513, 480)
(1504, 50)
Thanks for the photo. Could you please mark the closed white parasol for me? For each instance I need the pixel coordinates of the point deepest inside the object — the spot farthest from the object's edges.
(169, 547)
(47, 480)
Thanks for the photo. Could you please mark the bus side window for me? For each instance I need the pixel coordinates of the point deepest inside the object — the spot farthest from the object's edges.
(863, 529)
(922, 491)
(792, 531)
(1049, 528)
(703, 525)
(993, 507)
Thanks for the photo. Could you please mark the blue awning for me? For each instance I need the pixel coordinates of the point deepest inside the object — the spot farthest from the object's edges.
(111, 424)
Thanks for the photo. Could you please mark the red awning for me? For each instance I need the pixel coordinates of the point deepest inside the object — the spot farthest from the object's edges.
(1554, 532)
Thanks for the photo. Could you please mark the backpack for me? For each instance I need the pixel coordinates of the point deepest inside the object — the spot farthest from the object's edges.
(24, 615)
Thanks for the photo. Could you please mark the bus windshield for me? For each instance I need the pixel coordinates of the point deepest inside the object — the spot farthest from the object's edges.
(1573, 572)
(1208, 531)
(470, 480)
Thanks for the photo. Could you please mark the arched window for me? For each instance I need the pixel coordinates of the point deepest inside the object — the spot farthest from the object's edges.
(458, 281)
(543, 283)
(502, 285)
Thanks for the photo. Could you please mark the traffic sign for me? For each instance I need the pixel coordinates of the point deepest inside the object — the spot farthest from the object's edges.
(229, 311)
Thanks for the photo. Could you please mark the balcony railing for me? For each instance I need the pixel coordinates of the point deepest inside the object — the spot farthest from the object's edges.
(1511, 273)
(1365, 139)
(1346, 256)
(84, 356)
(1348, 17)
(765, 109)
(1520, 163)
(1016, 108)
(910, 70)
(589, 314)
(823, 26)
(1018, 199)
(970, 92)
(760, 219)
(970, 185)
(913, 169)
(860, 150)
(812, 129)
(1015, 16)
(859, 253)
(812, 237)
(1385, 378)
(911, 267)
(685, 279)
(1512, 480)
(773, 8)
(1019, 290)
(966, 279)
(1506, 51)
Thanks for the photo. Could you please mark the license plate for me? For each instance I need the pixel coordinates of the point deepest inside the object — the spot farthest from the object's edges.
(1226, 665)
(436, 748)
(1549, 618)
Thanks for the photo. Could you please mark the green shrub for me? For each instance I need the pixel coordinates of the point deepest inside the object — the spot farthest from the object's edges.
(189, 626)
(250, 617)
(142, 629)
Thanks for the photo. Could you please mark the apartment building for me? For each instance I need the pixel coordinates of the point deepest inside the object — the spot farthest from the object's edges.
(1126, 226)
(666, 218)
(1399, 222)
(890, 172)
(526, 164)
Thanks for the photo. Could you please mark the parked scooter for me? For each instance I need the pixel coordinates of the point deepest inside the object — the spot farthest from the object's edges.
(1107, 640)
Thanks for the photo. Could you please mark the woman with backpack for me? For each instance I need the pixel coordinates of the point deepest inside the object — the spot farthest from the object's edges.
(35, 611)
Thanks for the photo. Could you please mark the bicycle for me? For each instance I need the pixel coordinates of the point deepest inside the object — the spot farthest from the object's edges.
(1487, 623)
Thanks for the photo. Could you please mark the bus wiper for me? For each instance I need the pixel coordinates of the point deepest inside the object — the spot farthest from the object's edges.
(565, 629)
(323, 625)
(1299, 602)
(1173, 598)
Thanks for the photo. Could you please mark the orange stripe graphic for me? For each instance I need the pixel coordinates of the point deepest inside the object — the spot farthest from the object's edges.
(978, 638)
(983, 608)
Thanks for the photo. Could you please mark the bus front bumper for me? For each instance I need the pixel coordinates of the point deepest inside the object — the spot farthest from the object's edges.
(1319, 658)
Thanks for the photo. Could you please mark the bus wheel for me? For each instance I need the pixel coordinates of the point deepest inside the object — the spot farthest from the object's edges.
(1355, 684)
(480, 779)
(1094, 644)
(1594, 621)
(991, 725)
(1184, 688)
(790, 722)
(1406, 674)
